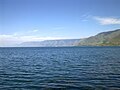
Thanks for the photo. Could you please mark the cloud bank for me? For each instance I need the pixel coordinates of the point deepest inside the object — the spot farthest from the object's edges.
(13, 40)
(107, 20)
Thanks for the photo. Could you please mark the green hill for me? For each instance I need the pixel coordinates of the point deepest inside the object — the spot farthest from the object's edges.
(110, 38)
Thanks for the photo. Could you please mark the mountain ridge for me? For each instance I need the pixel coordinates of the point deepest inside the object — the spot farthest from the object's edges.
(109, 38)
(52, 43)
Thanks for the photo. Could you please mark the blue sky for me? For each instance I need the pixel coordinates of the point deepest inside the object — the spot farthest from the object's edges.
(34, 20)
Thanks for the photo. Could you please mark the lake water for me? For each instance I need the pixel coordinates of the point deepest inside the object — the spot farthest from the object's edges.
(72, 68)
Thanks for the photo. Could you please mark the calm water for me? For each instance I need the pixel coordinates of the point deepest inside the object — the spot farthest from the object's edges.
(72, 68)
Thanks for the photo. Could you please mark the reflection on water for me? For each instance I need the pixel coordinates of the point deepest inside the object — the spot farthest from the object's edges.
(72, 68)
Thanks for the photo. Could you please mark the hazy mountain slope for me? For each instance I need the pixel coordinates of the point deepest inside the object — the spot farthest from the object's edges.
(51, 43)
(110, 38)
(102, 39)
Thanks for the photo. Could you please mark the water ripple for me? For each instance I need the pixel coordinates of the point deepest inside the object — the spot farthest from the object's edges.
(72, 68)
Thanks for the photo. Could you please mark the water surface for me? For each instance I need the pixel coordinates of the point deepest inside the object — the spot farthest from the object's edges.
(72, 68)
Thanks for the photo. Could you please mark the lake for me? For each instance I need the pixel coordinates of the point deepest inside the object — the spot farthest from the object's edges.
(71, 68)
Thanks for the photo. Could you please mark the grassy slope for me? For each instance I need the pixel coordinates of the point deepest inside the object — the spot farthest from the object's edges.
(111, 38)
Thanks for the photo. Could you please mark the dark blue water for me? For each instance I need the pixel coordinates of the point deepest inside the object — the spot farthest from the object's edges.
(72, 68)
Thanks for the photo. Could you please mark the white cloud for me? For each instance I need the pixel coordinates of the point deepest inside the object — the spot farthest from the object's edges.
(26, 32)
(85, 17)
(58, 28)
(11, 40)
(107, 20)
(35, 30)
